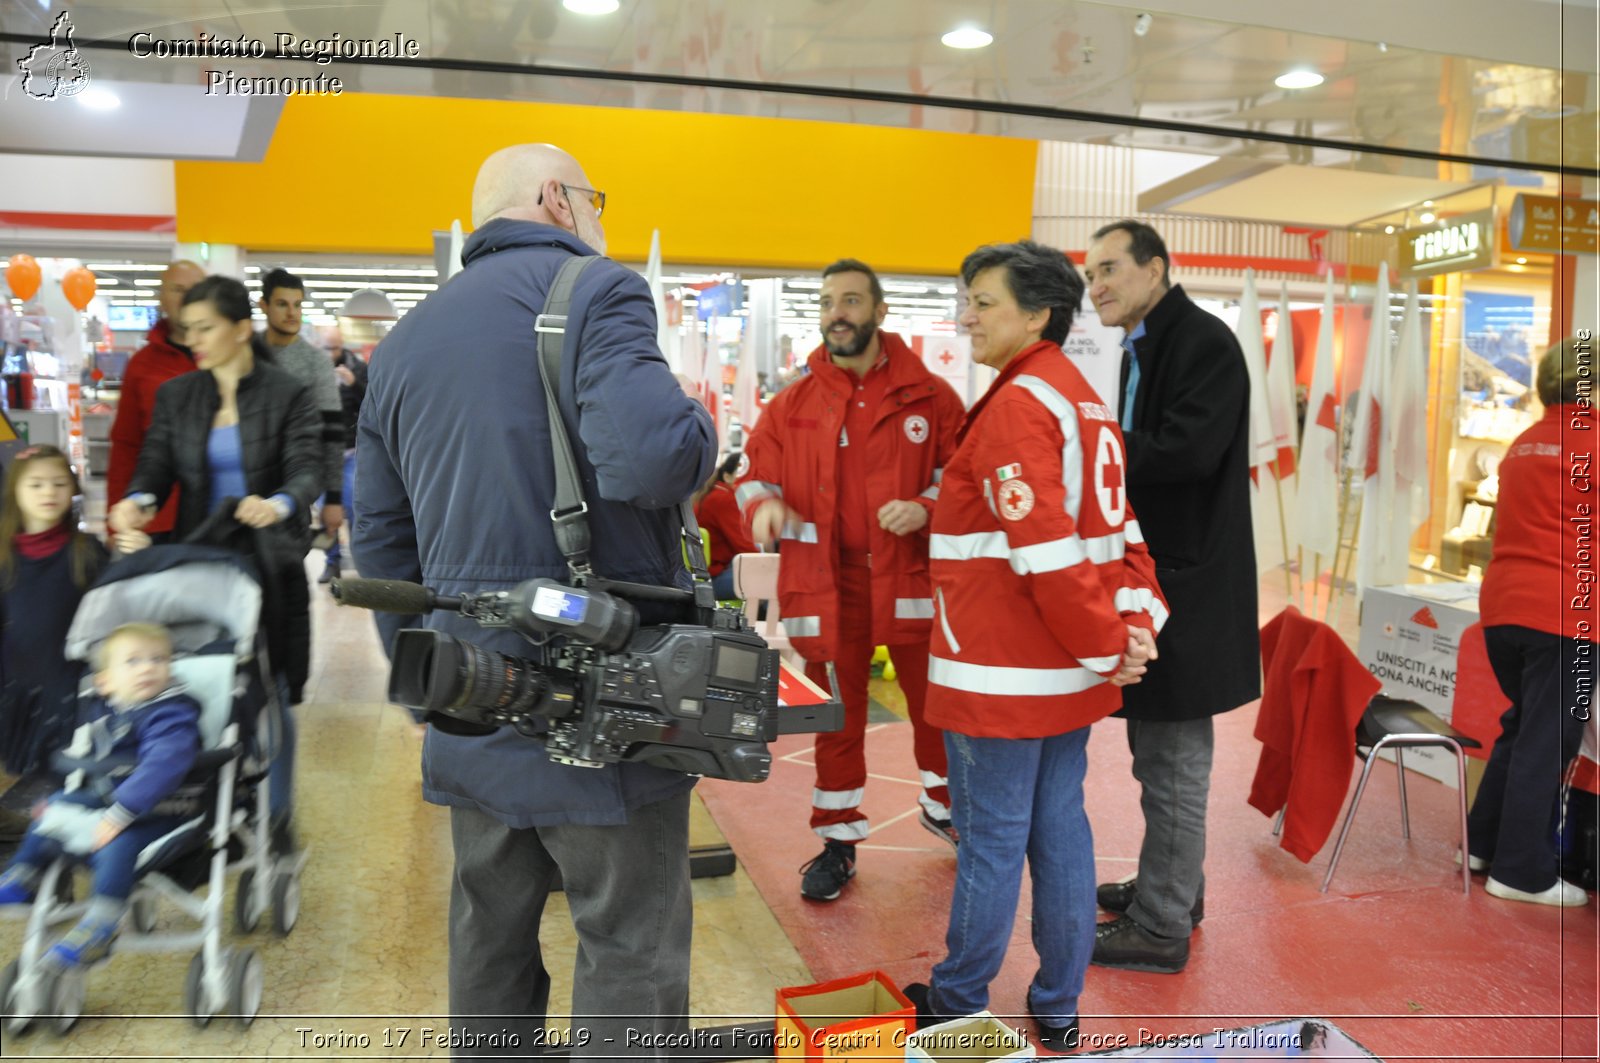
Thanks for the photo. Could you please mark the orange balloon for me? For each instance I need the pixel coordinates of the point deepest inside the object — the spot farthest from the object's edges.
(22, 275)
(78, 285)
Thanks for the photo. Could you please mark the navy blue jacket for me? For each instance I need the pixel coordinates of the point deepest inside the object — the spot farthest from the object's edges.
(454, 484)
(164, 734)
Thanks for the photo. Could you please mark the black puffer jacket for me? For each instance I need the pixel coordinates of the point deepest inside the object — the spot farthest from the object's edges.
(280, 435)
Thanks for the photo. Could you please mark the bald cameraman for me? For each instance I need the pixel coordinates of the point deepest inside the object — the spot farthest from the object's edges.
(455, 484)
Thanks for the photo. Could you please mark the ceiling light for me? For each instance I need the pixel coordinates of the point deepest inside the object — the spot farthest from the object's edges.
(1427, 217)
(1521, 261)
(967, 37)
(1427, 202)
(99, 99)
(1388, 229)
(590, 7)
(1298, 79)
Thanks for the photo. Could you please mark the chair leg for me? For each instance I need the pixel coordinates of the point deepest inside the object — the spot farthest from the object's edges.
(1405, 811)
(1461, 795)
(1277, 827)
(1349, 818)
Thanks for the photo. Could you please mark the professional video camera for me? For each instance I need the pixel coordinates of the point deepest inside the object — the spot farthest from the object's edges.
(696, 698)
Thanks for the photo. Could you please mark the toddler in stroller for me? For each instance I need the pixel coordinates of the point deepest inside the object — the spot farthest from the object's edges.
(150, 803)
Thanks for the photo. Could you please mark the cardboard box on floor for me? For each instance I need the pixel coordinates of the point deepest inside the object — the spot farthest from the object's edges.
(1410, 639)
(862, 1016)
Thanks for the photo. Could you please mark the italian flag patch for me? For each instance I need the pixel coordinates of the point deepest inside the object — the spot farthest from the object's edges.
(1008, 472)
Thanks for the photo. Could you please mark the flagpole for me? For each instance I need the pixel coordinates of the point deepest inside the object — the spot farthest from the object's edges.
(1283, 535)
(1349, 552)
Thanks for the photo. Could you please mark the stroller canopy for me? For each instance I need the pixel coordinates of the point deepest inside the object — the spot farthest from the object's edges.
(199, 593)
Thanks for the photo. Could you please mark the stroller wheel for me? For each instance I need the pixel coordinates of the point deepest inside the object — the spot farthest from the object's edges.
(285, 902)
(66, 994)
(194, 992)
(246, 912)
(244, 985)
(143, 913)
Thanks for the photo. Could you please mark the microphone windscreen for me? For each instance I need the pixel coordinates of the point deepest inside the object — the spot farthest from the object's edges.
(383, 595)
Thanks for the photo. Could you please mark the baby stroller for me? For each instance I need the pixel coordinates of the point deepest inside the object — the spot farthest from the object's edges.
(210, 600)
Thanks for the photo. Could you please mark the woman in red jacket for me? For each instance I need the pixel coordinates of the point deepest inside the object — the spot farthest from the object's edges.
(1539, 625)
(717, 513)
(1045, 602)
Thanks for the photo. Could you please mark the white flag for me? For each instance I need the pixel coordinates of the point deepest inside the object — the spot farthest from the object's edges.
(1371, 458)
(666, 335)
(1317, 504)
(1262, 448)
(745, 406)
(1408, 440)
(1280, 391)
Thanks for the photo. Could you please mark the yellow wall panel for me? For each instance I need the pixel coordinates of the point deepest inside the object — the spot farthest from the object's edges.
(367, 173)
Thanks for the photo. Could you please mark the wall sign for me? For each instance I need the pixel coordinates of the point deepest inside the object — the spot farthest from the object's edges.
(1465, 242)
(1553, 224)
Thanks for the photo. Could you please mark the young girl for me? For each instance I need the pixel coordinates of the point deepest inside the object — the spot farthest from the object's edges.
(46, 564)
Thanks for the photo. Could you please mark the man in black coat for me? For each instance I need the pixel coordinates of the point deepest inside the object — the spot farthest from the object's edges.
(1184, 410)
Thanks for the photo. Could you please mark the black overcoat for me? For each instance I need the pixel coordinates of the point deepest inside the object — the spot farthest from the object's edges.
(1189, 483)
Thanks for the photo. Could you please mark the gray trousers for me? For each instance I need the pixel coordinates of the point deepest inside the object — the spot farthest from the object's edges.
(628, 891)
(1172, 761)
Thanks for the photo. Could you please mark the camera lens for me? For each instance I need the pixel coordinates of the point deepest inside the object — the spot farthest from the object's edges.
(440, 673)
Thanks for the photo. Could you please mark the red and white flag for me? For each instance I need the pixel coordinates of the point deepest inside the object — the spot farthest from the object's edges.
(1377, 563)
(1262, 447)
(1408, 438)
(1317, 494)
(666, 335)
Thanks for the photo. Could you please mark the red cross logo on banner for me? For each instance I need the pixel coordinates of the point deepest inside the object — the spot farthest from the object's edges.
(1108, 476)
(947, 358)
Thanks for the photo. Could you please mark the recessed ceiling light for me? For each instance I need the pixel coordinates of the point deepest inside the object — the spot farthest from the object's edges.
(99, 99)
(1388, 229)
(1427, 217)
(590, 7)
(967, 37)
(1521, 261)
(1298, 79)
(1427, 202)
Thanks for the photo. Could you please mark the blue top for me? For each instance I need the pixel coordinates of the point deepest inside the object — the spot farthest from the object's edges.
(226, 459)
(225, 455)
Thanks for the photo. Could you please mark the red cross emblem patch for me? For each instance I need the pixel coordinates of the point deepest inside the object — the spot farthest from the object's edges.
(1016, 499)
(917, 428)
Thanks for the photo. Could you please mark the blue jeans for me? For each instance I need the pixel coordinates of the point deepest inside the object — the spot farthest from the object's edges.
(722, 585)
(111, 864)
(332, 553)
(1011, 798)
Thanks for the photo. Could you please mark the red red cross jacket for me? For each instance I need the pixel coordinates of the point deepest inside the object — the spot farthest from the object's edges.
(1038, 564)
(794, 456)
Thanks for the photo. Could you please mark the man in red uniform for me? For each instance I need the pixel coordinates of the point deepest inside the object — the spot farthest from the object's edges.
(844, 468)
(161, 358)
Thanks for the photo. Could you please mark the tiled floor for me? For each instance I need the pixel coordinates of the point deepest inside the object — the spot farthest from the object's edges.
(1394, 953)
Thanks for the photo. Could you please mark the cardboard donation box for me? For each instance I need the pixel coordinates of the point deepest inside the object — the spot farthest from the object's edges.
(980, 1036)
(1411, 640)
(862, 1016)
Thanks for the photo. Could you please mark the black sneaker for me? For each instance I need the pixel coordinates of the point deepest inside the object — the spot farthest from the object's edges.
(1126, 945)
(1117, 898)
(825, 876)
(1055, 1038)
(942, 827)
(917, 993)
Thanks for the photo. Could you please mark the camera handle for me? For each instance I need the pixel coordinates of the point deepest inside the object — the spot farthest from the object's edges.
(568, 516)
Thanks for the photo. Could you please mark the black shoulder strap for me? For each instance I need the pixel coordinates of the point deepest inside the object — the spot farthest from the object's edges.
(567, 518)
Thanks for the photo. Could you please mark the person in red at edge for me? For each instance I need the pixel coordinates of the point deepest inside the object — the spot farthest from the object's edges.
(845, 466)
(1539, 627)
(717, 513)
(161, 358)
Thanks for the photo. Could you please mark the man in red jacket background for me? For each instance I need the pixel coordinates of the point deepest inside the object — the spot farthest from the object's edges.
(844, 469)
(161, 358)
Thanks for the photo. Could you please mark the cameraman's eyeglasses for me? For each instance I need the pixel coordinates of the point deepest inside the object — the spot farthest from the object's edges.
(597, 199)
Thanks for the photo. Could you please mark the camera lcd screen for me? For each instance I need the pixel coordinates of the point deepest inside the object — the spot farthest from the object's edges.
(554, 604)
(739, 664)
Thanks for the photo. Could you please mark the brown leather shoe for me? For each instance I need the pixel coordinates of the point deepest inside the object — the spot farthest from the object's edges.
(1117, 897)
(1126, 945)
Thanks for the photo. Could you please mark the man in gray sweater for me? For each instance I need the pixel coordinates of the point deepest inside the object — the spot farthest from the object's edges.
(281, 295)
